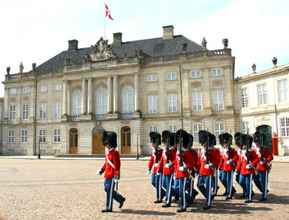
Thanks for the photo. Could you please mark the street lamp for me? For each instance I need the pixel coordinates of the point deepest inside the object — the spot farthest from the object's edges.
(39, 154)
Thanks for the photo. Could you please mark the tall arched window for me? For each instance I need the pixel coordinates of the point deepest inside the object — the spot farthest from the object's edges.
(101, 101)
(127, 96)
(76, 103)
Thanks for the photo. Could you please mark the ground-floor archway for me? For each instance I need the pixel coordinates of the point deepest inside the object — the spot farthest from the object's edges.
(73, 141)
(125, 140)
(97, 144)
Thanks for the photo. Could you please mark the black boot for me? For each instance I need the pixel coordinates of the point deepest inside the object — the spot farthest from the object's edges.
(182, 210)
(166, 205)
(206, 207)
(106, 210)
(121, 203)
(158, 201)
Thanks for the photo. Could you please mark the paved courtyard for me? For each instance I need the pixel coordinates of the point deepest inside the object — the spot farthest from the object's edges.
(70, 189)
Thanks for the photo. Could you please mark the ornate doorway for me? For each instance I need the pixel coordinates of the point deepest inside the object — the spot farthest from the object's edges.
(73, 141)
(125, 140)
(97, 145)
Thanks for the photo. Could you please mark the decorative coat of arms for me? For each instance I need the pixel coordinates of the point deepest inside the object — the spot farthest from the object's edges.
(101, 51)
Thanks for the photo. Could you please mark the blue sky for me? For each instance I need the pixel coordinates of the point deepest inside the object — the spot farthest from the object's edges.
(34, 31)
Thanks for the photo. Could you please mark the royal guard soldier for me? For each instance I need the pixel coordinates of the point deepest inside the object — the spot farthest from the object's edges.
(240, 142)
(263, 167)
(111, 170)
(219, 171)
(208, 161)
(154, 166)
(248, 163)
(230, 160)
(193, 170)
(167, 162)
(182, 166)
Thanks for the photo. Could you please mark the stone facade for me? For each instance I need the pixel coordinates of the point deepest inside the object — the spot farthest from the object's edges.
(264, 99)
(160, 69)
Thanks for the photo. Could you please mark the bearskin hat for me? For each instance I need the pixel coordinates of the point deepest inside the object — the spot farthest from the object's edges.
(227, 138)
(248, 140)
(182, 137)
(155, 138)
(203, 137)
(212, 140)
(166, 137)
(173, 139)
(238, 138)
(191, 140)
(109, 138)
(221, 139)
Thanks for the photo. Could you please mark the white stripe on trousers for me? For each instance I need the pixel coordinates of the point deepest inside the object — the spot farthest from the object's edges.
(184, 193)
(231, 184)
(159, 188)
(250, 187)
(110, 194)
(216, 180)
(266, 185)
(210, 190)
(170, 188)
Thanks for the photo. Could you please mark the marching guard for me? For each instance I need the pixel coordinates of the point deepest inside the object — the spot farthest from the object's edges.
(261, 178)
(154, 166)
(111, 170)
(167, 162)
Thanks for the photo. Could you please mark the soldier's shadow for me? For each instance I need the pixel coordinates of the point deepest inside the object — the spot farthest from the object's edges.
(225, 207)
(277, 199)
(145, 212)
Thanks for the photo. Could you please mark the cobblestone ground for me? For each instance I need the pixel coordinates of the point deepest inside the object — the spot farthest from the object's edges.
(70, 189)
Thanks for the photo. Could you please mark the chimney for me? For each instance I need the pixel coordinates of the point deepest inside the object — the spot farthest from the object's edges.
(117, 39)
(225, 43)
(73, 44)
(8, 70)
(254, 68)
(274, 61)
(168, 32)
(21, 67)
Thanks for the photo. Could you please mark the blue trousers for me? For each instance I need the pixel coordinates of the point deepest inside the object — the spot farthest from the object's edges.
(169, 189)
(206, 186)
(183, 193)
(246, 182)
(156, 180)
(228, 177)
(261, 181)
(238, 177)
(222, 177)
(111, 194)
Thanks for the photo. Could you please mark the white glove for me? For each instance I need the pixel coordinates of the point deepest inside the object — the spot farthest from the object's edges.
(115, 180)
(168, 165)
(148, 172)
(249, 166)
(181, 168)
(229, 161)
(208, 165)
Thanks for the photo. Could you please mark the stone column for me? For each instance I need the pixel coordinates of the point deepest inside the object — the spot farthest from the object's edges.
(186, 95)
(68, 98)
(206, 92)
(115, 94)
(136, 92)
(6, 103)
(64, 97)
(83, 96)
(89, 96)
(109, 95)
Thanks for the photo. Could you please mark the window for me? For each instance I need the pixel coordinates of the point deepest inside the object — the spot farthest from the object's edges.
(128, 99)
(284, 127)
(25, 111)
(282, 90)
(57, 111)
(219, 128)
(42, 136)
(23, 135)
(12, 112)
(101, 101)
(13, 91)
(245, 127)
(42, 111)
(76, 103)
(262, 94)
(195, 74)
(152, 77)
(172, 76)
(58, 87)
(197, 100)
(218, 99)
(196, 128)
(216, 72)
(244, 97)
(11, 136)
(173, 128)
(56, 135)
(172, 103)
(43, 88)
(26, 90)
(152, 103)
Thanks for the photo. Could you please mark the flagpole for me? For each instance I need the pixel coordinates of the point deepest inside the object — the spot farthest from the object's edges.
(104, 35)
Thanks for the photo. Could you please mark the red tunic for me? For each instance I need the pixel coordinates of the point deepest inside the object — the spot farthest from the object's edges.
(111, 165)
(168, 163)
(238, 166)
(244, 163)
(230, 159)
(207, 169)
(188, 164)
(265, 157)
(221, 164)
(154, 161)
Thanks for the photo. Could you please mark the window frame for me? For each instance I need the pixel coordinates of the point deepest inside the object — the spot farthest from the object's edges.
(172, 103)
(24, 135)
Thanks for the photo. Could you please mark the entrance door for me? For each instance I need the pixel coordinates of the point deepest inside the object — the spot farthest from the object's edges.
(125, 140)
(73, 141)
(97, 145)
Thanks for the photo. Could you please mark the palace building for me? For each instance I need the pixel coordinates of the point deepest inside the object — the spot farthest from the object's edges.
(132, 88)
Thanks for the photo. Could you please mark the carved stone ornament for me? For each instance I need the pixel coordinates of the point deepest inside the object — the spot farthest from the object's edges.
(101, 51)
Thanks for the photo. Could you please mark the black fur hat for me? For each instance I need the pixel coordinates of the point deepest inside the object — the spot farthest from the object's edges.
(257, 137)
(166, 136)
(212, 140)
(203, 137)
(227, 138)
(155, 138)
(109, 138)
(239, 138)
(191, 140)
(221, 139)
(182, 136)
(173, 139)
(248, 141)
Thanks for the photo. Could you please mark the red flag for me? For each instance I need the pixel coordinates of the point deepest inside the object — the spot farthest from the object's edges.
(107, 12)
